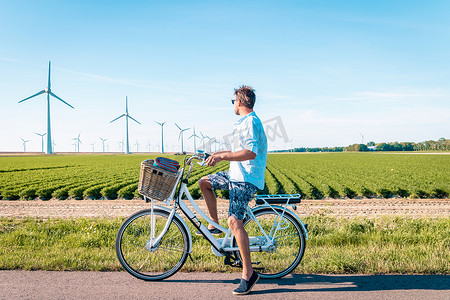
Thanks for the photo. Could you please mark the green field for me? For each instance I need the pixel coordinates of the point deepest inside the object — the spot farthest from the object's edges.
(315, 176)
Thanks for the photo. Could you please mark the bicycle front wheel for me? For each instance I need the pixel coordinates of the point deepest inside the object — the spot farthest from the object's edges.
(136, 254)
(289, 242)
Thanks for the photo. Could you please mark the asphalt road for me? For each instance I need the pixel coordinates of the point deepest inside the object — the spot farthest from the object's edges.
(121, 285)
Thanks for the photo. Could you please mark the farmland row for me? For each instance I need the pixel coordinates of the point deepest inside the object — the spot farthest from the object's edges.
(313, 175)
(367, 175)
(88, 177)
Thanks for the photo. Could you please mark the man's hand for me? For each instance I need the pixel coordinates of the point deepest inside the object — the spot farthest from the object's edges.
(213, 159)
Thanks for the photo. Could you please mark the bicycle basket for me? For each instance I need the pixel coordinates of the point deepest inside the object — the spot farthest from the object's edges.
(154, 182)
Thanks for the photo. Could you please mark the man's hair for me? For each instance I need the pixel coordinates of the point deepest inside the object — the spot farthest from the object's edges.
(246, 95)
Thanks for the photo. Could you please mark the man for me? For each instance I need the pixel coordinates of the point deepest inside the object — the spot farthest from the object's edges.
(246, 175)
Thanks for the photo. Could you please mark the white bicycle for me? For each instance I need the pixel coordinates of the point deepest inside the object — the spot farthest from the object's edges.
(154, 243)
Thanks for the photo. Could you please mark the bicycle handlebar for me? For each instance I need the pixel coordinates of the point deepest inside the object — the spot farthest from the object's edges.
(199, 156)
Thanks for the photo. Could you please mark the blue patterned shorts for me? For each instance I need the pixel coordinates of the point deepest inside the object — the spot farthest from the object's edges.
(240, 192)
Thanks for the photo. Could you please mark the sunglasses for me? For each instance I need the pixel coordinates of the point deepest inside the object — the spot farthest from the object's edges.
(232, 101)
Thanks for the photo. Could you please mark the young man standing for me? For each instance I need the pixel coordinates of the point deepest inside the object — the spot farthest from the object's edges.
(248, 159)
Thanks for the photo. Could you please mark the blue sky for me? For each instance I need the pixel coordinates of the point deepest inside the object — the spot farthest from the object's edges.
(332, 70)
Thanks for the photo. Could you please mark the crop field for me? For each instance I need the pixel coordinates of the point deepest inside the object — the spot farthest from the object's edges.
(315, 176)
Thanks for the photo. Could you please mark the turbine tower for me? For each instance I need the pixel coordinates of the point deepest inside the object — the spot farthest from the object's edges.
(181, 135)
(126, 115)
(42, 140)
(49, 93)
(162, 135)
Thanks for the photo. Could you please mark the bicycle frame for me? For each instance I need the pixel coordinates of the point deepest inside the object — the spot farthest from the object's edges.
(220, 246)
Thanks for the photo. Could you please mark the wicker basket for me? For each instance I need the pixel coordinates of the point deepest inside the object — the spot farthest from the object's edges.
(154, 182)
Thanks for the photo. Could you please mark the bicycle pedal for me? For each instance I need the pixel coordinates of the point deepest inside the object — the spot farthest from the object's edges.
(232, 263)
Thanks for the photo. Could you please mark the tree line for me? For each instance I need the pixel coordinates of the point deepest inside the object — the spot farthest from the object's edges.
(440, 145)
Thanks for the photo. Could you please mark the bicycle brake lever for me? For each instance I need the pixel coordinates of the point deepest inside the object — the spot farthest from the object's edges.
(205, 156)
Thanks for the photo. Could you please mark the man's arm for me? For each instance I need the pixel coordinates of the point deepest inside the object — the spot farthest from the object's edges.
(240, 155)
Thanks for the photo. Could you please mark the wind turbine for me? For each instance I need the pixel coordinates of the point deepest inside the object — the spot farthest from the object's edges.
(93, 144)
(137, 146)
(49, 92)
(181, 135)
(362, 138)
(203, 140)
(126, 115)
(162, 135)
(42, 140)
(24, 144)
(103, 143)
(149, 146)
(77, 141)
(194, 136)
(121, 143)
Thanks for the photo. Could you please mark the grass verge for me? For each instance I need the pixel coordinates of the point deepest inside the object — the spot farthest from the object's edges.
(336, 245)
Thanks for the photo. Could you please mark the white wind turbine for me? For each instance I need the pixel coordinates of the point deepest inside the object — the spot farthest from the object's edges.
(127, 116)
(194, 136)
(77, 141)
(24, 144)
(42, 140)
(181, 136)
(103, 143)
(121, 143)
(49, 93)
(162, 135)
(93, 144)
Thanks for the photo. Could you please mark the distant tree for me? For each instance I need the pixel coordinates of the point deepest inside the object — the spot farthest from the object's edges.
(371, 144)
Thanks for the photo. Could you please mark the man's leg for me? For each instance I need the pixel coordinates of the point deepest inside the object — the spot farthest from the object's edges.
(210, 199)
(237, 227)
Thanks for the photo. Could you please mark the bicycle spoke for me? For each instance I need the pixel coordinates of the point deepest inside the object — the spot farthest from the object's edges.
(142, 265)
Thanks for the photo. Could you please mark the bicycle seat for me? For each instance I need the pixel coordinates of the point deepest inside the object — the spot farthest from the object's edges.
(277, 199)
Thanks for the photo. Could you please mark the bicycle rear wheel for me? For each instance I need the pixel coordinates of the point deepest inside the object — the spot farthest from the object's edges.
(147, 263)
(289, 243)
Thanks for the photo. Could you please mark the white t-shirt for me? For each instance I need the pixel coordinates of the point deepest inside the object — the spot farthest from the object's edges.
(249, 134)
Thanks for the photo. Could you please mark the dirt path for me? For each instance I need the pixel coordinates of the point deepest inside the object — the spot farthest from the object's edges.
(123, 208)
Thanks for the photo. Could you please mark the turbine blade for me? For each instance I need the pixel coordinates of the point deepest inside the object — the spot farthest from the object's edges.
(178, 126)
(61, 99)
(134, 120)
(117, 119)
(159, 123)
(49, 75)
(126, 104)
(37, 94)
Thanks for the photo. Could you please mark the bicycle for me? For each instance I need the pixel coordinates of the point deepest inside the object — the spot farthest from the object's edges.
(153, 244)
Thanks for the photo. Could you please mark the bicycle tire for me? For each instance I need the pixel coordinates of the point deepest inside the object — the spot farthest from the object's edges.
(160, 263)
(288, 252)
